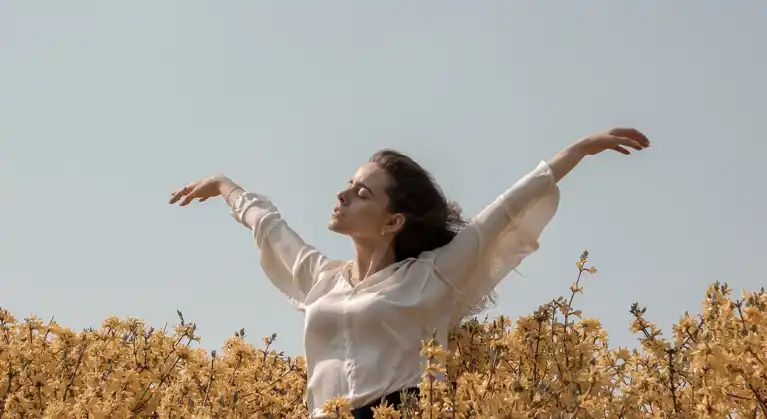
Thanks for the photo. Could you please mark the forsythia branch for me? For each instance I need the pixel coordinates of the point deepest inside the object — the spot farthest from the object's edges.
(555, 362)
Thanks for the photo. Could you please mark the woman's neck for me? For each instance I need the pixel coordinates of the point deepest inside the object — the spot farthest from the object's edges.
(371, 258)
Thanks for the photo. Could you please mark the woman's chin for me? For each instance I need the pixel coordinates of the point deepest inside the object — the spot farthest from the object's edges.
(333, 225)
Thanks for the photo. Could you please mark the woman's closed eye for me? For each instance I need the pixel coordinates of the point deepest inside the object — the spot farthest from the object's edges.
(360, 190)
(363, 193)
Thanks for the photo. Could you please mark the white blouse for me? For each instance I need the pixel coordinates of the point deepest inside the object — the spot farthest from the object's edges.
(363, 339)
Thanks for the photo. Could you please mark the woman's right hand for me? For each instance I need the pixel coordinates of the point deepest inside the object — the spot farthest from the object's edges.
(202, 189)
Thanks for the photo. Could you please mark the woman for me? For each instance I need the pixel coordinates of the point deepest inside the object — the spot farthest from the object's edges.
(418, 267)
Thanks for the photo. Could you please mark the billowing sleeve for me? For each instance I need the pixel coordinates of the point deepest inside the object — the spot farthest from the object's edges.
(293, 266)
(498, 238)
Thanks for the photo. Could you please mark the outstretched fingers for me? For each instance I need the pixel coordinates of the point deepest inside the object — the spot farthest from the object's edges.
(621, 150)
(630, 142)
(622, 144)
(189, 198)
(176, 195)
(633, 134)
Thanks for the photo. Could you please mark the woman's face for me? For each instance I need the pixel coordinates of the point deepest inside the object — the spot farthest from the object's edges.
(362, 211)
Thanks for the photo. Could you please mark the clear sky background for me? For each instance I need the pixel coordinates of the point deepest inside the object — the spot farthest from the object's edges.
(106, 107)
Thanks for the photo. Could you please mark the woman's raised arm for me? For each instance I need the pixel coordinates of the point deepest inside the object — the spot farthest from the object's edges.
(290, 264)
(506, 231)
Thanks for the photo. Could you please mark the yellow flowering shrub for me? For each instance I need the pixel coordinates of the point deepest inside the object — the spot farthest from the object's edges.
(553, 363)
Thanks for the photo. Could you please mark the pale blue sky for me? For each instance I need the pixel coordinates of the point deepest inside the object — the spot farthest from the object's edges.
(105, 107)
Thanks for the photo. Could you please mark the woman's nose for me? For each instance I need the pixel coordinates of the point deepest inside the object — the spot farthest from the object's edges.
(341, 197)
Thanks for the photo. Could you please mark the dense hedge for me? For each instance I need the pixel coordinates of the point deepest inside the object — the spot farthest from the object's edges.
(551, 363)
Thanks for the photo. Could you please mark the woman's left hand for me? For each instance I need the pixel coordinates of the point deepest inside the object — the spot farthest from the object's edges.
(617, 139)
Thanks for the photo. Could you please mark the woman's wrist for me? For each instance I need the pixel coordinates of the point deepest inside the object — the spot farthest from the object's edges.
(227, 188)
(578, 149)
(566, 160)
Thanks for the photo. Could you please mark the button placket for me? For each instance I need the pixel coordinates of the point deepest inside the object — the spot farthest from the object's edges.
(348, 347)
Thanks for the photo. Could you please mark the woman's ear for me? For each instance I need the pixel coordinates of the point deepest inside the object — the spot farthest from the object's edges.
(395, 223)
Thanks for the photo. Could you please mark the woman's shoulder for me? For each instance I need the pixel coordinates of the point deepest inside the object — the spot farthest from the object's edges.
(421, 266)
(327, 279)
(333, 268)
(426, 257)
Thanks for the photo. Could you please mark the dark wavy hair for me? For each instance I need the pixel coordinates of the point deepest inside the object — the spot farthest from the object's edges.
(431, 221)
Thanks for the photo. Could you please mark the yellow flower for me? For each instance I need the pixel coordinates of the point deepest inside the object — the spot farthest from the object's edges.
(550, 363)
(338, 406)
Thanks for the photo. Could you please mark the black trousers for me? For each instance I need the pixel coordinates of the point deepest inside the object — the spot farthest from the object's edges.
(366, 412)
